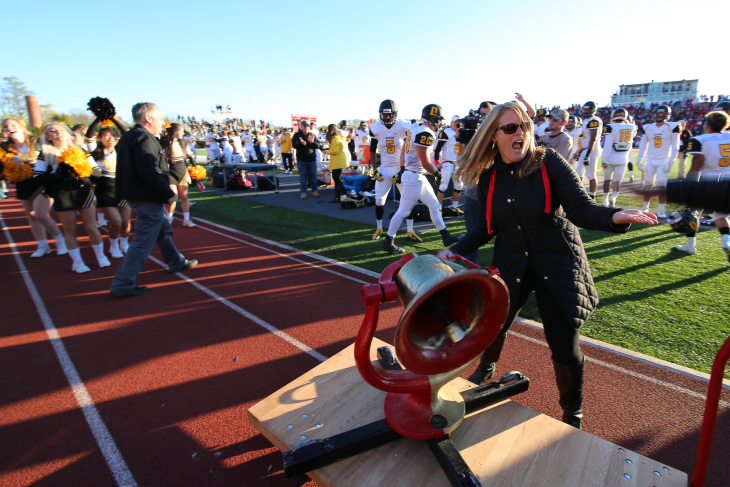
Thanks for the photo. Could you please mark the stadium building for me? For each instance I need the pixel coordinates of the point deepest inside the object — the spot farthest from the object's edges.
(656, 91)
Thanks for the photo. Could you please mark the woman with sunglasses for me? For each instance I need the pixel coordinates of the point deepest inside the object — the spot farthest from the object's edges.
(70, 194)
(532, 201)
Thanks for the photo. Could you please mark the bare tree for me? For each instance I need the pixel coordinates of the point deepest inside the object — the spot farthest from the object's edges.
(12, 98)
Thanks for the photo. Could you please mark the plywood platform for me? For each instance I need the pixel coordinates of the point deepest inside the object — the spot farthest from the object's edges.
(504, 445)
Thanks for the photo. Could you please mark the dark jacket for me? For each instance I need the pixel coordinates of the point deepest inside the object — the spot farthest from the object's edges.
(709, 195)
(548, 242)
(142, 169)
(305, 153)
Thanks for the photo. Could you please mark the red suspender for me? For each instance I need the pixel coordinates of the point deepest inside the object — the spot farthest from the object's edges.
(546, 183)
(489, 202)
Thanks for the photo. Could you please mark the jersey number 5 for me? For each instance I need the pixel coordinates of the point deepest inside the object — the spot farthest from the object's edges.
(390, 146)
(725, 152)
(408, 141)
(657, 141)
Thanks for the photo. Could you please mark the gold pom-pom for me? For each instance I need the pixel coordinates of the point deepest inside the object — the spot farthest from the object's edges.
(167, 125)
(14, 171)
(197, 172)
(107, 123)
(77, 160)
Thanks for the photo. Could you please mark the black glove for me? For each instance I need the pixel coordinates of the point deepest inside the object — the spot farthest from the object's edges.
(587, 160)
(438, 177)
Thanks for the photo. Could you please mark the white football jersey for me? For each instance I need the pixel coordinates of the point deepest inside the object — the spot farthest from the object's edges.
(450, 149)
(591, 124)
(237, 144)
(658, 141)
(390, 141)
(362, 137)
(716, 149)
(618, 142)
(419, 135)
(208, 136)
(540, 131)
(247, 140)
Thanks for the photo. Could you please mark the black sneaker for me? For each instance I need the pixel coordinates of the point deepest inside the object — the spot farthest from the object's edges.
(390, 247)
(133, 292)
(189, 264)
(448, 239)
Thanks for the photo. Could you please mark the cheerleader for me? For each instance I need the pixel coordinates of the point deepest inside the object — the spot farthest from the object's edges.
(116, 210)
(177, 151)
(36, 203)
(70, 194)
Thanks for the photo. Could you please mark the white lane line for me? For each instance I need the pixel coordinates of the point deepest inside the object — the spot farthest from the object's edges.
(103, 438)
(287, 256)
(631, 373)
(344, 265)
(289, 339)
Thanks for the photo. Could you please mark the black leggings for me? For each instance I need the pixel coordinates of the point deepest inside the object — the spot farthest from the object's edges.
(337, 179)
(287, 157)
(562, 338)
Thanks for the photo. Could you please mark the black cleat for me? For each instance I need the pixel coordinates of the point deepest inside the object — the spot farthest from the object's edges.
(390, 247)
(448, 239)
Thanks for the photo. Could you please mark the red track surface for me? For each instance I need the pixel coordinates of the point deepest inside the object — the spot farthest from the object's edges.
(173, 372)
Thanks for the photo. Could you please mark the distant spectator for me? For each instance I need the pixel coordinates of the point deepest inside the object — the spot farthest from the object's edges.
(338, 159)
(306, 145)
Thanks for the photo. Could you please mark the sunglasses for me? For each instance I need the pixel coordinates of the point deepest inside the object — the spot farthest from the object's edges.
(511, 128)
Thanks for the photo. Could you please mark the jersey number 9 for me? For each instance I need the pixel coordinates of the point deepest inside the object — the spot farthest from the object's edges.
(657, 141)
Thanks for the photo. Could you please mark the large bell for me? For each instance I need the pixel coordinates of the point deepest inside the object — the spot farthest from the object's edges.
(451, 315)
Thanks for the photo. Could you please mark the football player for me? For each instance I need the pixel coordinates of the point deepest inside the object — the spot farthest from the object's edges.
(446, 153)
(416, 160)
(723, 106)
(618, 141)
(390, 133)
(211, 146)
(711, 162)
(540, 122)
(660, 145)
(247, 140)
(362, 142)
(591, 146)
(573, 129)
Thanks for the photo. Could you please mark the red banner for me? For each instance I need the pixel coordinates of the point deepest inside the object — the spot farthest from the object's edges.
(297, 117)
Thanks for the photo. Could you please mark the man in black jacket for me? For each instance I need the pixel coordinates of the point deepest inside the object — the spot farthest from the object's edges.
(306, 145)
(142, 179)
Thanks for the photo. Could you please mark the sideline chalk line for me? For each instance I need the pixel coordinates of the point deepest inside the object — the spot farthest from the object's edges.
(103, 438)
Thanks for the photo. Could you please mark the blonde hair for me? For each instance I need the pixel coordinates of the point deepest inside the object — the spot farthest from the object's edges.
(29, 137)
(481, 151)
(50, 152)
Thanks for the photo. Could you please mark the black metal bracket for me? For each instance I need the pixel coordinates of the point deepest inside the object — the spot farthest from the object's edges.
(452, 463)
(317, 453)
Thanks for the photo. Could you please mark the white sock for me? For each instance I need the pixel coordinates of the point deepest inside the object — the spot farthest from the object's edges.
(409, 225)
(100, 218)
(124, 240)
(380, 224)
(645, 207)
(75, 256)
(691, 241)
(615, 195)
(186, 216)
(113, 244)
(98, 249)
(631, 173)
(725, 239)
(661, 206)
(593, 195)
(42, 244)
(605, 196)
(60, 241)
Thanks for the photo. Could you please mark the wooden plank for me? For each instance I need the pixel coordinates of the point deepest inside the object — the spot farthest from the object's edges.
(504, 445)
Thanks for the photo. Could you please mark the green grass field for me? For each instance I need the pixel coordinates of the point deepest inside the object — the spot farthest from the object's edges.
(654, 300)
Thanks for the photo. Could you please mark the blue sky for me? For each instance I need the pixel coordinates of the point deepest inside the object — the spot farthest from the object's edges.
(340, 60)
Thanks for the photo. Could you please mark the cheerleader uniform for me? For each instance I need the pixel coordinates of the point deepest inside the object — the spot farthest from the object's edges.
(104, 188)
(31, 187)
(178, 170)
(69, 194)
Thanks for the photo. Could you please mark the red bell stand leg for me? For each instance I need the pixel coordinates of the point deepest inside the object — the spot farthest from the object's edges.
(710, 419)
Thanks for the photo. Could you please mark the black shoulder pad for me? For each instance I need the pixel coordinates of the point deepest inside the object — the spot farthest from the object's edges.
(443, 136)
(677, 130)
(593, 125)
(607, 129)
(694, 145)
(371, 133)
(424, 138)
